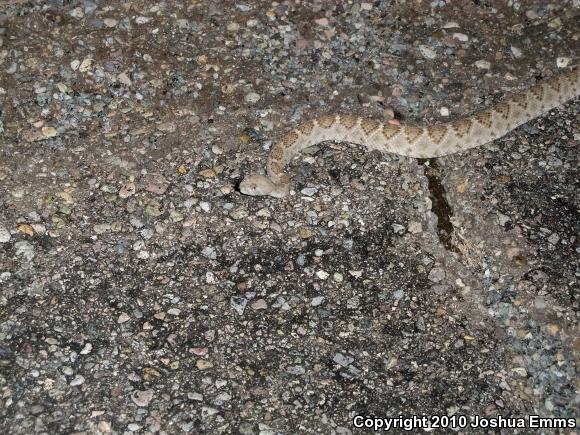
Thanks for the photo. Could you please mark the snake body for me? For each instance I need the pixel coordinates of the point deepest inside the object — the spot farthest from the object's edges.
(412, 140)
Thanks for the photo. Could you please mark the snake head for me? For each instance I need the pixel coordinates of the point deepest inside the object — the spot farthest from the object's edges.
(260, 185)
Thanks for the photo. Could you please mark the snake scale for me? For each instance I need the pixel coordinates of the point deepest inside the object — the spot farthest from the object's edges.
(412, 140)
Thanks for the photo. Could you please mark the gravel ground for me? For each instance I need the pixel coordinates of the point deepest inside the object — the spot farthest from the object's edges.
(142, 293)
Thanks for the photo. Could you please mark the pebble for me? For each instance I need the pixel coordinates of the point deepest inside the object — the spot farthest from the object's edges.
(427, 52)
(209, 252)
(104, 426)
(198, 397)
(554, 238)
(317, 300)
(203, 364)
(24, 250)
(101, 228)
(78, 380)
(563, 62)
(532, 14)
(483, 64)
(156, 183)
(444, 111)
(264, 212)
(436, 274)
(259, 304)
(321, 274)
(342, 360)
(252, 98)
(503, 219)
(398, 294)
(353, 303)
(123, 317)
(239, 213)
(127, 190)
(4, 235)
(309, 191)
(415, 227)
(110, 22)
(142, 398)
(153, 208)
(238, 303)
(301, 260)
(142, 20)
(49, 132)
(77, 13)
(233, 27)
(540, 303)
(516, 52)
(207, 411)
(126, 80)
(461, 37)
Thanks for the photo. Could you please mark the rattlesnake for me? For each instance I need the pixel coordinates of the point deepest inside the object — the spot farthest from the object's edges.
(412, 140)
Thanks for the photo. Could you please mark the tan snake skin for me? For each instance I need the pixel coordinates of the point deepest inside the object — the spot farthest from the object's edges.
(413, 140)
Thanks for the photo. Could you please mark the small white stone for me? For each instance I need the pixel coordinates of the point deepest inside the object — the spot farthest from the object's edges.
(264, 212)
(87, 349)
(85, 64)
(232, 27)
(142, 398)
(563, 62)
(124, 317)
(309, 191)
(322, 274)
(355, 273)
(427, 52)
(77, 13)
(4, 235)
(78, 380)
(461, 37)
(317, 300)
(110, 22)
(516, 52)
(444, 111)
(483, 64)
(415, 227)
(532, 14)
(142, 20)
(252, 97)
(143, 255)
(124, 79)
